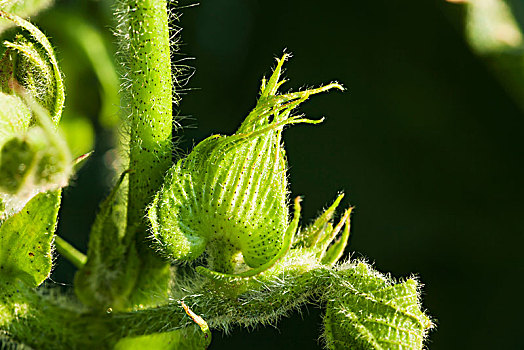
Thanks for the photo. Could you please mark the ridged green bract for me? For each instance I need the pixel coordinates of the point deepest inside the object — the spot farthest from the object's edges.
(369, 311)
(320, 238)
(229, 195)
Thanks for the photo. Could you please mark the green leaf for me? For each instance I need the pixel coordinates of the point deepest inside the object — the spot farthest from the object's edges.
(368, 311)
(26, 240)
(32, 160)
(229, 196)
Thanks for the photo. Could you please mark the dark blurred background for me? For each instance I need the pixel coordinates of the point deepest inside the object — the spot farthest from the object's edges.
(426, 143)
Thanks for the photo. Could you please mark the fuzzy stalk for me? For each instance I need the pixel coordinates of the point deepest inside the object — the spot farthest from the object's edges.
(227, 302)
(149, 89)
(149, 74)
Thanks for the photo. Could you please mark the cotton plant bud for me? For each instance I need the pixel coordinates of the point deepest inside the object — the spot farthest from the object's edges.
(33, 156)
(29, 63)
(229, 196)
(33, 71)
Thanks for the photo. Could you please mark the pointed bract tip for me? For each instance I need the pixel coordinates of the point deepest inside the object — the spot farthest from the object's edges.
(336, 85)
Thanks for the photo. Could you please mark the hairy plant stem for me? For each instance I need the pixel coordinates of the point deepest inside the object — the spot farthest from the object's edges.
(150, 101)
(69, 252)
(151, 111)
(251, 301)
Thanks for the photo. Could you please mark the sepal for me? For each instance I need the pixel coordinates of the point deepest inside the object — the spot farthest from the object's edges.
(320, 238)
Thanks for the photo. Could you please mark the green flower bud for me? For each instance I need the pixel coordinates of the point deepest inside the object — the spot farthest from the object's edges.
(30, 63)
(229, 196)
(33, 157)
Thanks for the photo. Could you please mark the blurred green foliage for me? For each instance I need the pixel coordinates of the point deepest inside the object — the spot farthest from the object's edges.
(494, 30)
(427, 143)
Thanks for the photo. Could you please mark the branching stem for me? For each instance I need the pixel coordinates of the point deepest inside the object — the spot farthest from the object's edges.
(149, 90)
(69, 252)
(151, 110)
